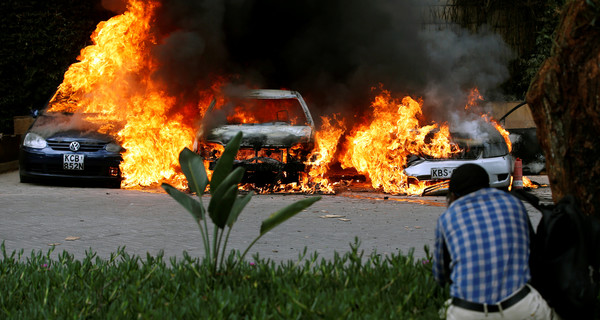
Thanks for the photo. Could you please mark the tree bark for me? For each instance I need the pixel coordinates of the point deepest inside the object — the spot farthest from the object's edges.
(564, 98)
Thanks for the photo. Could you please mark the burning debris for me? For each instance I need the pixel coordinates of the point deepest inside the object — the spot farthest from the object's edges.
(155, 68)
(381, 148)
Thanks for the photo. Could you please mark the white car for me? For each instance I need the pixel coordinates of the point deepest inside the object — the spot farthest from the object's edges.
(278, 134)
(489, 151)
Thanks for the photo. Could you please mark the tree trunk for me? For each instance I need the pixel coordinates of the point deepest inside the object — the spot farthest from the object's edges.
(564, 98)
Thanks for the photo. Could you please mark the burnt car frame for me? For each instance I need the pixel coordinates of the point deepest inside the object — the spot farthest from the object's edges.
(486, 148)
(67, 148)
(278, 134)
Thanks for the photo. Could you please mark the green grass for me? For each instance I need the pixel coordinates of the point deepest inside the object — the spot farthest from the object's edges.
(349, 286)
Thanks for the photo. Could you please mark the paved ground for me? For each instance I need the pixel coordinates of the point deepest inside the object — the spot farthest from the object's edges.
(39, 217)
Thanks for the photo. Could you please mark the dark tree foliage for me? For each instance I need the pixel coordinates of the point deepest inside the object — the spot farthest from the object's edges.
(40, 39)
(526, 26)
(524, 68)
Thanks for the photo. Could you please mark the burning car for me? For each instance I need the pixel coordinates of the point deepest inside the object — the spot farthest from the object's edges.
(278, 134)
(488, 148)
(61, 146)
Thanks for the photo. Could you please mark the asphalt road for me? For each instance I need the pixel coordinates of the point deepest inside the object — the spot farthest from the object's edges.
(75, 219)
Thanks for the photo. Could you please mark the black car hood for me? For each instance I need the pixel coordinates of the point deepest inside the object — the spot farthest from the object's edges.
(64, 126)
(71, 135)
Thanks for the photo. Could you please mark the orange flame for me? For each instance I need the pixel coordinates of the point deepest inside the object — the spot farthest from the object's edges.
(505, 134)
(326, 142)
(380, 149)
(472, 101)
(473, 98)
(265, 111)
(112, 83)
(527, 183)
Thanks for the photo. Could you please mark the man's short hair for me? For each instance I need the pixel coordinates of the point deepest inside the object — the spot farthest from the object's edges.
(468, 178)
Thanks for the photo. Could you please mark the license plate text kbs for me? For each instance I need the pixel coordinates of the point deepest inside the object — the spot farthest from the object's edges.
(441, 173)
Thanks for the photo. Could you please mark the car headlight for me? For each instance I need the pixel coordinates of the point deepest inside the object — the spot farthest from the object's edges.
(113, 147)
(34, 140)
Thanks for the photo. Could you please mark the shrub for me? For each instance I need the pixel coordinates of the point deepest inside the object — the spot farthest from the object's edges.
(348, 286)
(225, 205)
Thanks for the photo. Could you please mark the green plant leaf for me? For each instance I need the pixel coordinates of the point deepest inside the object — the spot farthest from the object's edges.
(233, 178)
(221, 212)
(192, 166)
(283, 214)
(195, 208)
(221, 202)
(225, 163)
(239, 205)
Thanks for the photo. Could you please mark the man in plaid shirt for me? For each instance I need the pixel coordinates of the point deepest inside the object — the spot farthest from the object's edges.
(482, 250)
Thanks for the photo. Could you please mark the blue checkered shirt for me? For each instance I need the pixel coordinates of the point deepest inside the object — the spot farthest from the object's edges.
(487, 237)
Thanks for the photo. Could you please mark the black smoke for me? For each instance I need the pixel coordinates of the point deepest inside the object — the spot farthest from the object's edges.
(332, 51)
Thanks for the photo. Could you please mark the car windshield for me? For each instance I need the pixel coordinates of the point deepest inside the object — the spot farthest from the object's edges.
(471, 149)
(486, 150)
(495, 149)
(258, 111)
(468, 151)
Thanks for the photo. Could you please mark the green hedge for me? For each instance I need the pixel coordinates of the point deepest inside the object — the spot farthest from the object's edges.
(349, 286)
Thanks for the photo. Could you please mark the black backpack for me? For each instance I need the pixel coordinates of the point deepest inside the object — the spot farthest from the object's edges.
(565, 257)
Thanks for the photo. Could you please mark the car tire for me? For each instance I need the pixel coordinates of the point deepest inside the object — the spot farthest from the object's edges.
(25, 179)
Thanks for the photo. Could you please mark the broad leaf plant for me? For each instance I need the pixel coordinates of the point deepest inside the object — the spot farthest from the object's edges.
(225, 204)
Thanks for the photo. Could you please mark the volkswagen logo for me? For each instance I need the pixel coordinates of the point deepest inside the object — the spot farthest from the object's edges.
(74, 146)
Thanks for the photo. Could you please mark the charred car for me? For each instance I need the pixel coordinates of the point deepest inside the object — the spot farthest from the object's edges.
(278, 134)
(61, 147)
(486, 148)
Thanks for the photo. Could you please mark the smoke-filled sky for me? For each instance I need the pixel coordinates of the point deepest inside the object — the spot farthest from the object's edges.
(331, 51)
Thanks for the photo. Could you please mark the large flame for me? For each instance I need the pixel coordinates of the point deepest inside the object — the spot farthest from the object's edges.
(112, 82)
(381, 148)
(505, 134)
(326, 142)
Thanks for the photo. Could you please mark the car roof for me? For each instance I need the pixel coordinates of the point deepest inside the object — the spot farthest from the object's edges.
(271, 94)
(275, 94)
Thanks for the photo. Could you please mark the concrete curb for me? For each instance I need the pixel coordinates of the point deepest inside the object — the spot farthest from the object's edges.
(9, 166)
